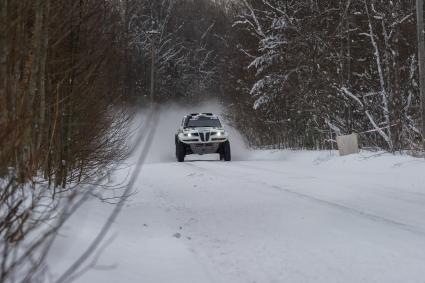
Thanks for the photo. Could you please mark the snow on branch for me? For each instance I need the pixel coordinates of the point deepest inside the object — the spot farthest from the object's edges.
(378, 129)
(336, 129)
(348, 93)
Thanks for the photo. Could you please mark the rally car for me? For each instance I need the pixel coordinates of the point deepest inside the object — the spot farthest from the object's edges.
(202, 133)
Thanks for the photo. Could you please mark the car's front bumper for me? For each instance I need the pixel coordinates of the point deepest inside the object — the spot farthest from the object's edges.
(196, 140)
(203, 148)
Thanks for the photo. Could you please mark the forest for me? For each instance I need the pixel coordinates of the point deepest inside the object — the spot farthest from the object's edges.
(289, 74)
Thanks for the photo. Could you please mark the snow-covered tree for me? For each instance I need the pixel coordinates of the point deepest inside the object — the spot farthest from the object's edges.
(345, 66)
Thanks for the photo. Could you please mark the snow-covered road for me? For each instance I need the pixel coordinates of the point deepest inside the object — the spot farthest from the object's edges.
(272, 216)
(302, 218)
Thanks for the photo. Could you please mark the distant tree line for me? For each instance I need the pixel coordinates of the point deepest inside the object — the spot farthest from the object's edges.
(186, 37)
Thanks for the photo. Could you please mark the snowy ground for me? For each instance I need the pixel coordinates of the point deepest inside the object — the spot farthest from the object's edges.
(268, 216)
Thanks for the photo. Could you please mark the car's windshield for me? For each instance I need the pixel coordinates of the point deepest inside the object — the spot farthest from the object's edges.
(203, 122)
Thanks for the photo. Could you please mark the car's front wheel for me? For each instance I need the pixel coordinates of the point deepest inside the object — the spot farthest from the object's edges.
(180, 151)
(226, 154)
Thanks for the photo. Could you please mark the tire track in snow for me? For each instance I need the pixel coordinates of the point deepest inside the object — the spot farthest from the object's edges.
(388, 192)
(351, 210)
(340, 207)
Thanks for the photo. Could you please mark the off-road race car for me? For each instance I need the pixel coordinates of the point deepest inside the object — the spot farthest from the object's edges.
(202, 133)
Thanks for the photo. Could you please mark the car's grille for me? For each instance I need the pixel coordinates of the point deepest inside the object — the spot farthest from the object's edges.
(205, 137)
(203, 145)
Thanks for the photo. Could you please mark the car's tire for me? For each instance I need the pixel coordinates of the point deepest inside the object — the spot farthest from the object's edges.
(180, 151)
(227, 156)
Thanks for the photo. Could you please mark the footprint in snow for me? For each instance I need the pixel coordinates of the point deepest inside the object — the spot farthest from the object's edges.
(177, 235)
(194, 174)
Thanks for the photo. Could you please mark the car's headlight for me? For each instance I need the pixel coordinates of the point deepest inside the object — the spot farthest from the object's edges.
(221, 133)
(187, 134)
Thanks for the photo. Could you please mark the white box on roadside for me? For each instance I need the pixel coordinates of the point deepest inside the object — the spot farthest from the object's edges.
(348, 144)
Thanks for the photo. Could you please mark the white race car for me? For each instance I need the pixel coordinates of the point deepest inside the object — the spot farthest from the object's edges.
(202, 133)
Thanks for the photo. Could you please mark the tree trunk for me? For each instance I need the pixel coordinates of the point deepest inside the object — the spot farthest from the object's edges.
(3, 52)
(421, 56)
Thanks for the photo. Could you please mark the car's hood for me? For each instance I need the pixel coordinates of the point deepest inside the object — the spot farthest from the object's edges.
(202, 129)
